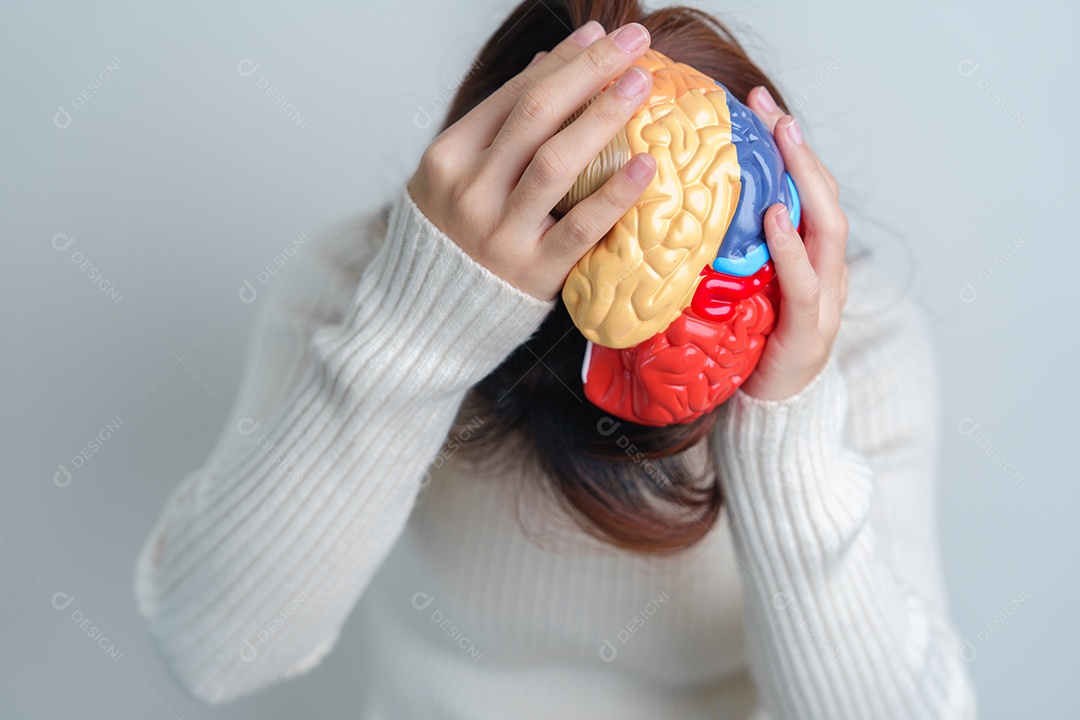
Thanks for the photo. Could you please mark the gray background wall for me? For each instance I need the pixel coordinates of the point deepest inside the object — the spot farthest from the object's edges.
(951, 127)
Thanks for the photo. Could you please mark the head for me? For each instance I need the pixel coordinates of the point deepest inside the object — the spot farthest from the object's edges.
(629, 485)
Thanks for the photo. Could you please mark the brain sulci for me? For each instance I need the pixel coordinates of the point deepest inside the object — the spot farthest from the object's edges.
(677, 299)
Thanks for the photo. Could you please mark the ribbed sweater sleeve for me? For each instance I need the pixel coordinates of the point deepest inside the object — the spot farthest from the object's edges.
(360, 357)
(831, 507)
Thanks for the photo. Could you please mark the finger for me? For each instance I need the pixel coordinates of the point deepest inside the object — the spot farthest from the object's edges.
(589, 220)
(827, 226)
(545, 104)
(761, 101)
(833, 310)
(536, 58)
(480, 125)
(799, 284)
(556, 165)
(828, 177)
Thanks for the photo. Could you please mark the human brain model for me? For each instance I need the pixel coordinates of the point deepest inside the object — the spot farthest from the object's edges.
(677, 299)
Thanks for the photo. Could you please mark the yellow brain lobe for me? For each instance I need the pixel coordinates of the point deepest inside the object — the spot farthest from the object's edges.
(642, 274)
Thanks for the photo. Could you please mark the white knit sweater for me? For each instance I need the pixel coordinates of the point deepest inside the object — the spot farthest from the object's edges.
(817, 594)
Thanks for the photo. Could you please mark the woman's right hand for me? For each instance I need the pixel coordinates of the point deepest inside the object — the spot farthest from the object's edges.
(490, 180)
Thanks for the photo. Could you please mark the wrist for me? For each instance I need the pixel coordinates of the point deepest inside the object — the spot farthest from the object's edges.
(761, 386)
(447, 320)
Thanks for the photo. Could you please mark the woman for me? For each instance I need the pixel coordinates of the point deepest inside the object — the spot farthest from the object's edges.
(409, 439)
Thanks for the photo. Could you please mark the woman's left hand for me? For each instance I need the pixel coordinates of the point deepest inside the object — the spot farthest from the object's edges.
(811, 271)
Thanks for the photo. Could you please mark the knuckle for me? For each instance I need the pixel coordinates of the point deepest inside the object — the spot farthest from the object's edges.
(600, 61)
(516, 85)
(535, 104)
(840, 224)
(809, 296)
(469, 199)
(578, 228)
(831, 290)
(809, 164)
(610, 112)
(435, 162)
(617, 195)
(514, 88)
(575, 232)
(832, 181)
(549, 165)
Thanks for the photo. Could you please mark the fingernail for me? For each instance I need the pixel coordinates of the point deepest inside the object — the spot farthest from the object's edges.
(765, 99)
(631, 83)
(783, 220)
(794, 132)
(588, 33)
(630, 37)
(639, 167)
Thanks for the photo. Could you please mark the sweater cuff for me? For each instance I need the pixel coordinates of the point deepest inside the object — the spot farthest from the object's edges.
(445, 318)
(786, 467)
(806, 422)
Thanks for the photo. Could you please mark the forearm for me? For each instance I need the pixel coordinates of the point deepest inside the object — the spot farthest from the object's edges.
(833, 631)
(305, 505)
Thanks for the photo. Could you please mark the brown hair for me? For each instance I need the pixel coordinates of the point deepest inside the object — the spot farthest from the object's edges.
(624, 483)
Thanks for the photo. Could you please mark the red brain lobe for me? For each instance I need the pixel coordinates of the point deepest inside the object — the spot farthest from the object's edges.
(694, 365)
